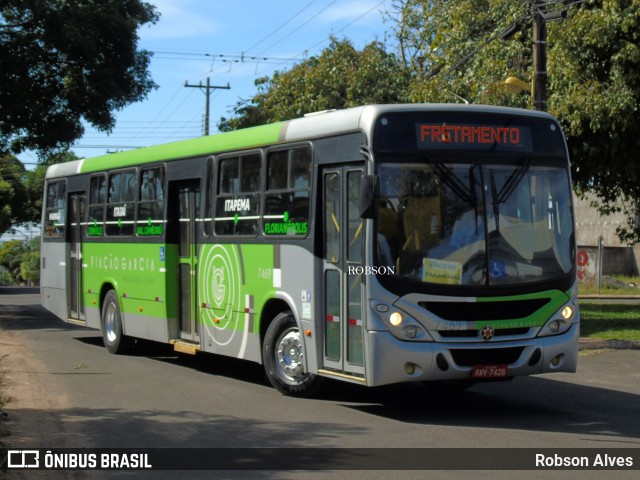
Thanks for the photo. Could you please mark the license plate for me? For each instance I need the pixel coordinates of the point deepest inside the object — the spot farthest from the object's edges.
(490, 371)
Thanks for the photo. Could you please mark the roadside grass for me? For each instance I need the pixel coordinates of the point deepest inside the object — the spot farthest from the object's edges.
(610, 322)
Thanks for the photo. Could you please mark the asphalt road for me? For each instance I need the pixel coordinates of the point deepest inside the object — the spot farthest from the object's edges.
(68, 392)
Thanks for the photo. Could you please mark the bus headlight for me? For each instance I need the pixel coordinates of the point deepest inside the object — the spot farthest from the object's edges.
(395, 319)
(567, 312)
(398, 323)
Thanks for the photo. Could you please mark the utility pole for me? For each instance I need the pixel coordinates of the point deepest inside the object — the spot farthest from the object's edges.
(540, 18)
(207, 92)
(539, 93)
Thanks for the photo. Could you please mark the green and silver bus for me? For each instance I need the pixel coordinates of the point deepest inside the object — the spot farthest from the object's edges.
(374, 245)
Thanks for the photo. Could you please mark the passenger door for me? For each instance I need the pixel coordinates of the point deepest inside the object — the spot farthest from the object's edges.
(185, 202)
(74, 257)
(342, 280)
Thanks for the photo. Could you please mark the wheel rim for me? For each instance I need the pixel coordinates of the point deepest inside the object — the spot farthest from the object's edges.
(110, 324)
(289, 357)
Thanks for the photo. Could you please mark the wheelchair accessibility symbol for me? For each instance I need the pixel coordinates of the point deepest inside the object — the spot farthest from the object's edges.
(497, 270)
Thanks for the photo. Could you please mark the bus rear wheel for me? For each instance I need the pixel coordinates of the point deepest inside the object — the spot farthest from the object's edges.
(115, 341)
(283, 358)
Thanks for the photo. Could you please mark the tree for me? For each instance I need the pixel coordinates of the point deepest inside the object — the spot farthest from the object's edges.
(11, 256)
(595, 80)
(593, 67)
(30, 262)
(13, 195)
(454, 50)
(340, 77)
(62, 61)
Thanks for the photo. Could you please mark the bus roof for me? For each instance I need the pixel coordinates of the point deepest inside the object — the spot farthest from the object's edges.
(308, 127)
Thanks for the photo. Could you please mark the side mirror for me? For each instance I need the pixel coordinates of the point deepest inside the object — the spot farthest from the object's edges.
(367, 196)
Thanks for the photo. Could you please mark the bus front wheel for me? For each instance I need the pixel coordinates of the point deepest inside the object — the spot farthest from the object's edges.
(283, 358)
(114, 339)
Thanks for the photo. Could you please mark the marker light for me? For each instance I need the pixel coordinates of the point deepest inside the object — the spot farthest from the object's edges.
(567, 312)
(395, 319)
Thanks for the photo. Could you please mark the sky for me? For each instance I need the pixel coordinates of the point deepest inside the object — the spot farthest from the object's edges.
(232, 42)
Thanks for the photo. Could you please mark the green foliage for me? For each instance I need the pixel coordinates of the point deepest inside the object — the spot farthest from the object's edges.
(21, 262)
(30, 263)
(66, 60)
(11, 254)
(595, 80)
(458, 54)
(340, 77)
(13, 194)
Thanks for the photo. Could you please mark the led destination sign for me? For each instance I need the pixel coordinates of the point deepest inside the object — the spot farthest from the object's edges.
(474, 137)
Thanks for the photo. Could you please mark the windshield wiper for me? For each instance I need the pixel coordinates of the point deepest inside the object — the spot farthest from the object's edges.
(452, 181)
(495, 202)
(513, 181)
(510, 185)
(472, 192)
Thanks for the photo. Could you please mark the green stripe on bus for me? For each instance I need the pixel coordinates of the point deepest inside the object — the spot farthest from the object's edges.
(239, 139)
(556, 300)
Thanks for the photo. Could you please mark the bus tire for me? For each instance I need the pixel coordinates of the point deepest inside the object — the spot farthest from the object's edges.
(282, 356)
(115, 341)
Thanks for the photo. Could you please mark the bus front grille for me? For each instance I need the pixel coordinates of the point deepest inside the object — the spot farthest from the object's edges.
(489, 356)
(485, 311)
(502, 332)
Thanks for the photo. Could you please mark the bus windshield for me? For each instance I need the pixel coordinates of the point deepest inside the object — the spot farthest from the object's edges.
(465, 221)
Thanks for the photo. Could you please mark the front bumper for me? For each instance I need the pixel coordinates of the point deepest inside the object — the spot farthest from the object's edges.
(389, 357)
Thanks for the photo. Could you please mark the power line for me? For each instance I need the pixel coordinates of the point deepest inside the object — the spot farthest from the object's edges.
(178, 90)
(286, 22)
(329, 36)
(299, 27)
(235, 58)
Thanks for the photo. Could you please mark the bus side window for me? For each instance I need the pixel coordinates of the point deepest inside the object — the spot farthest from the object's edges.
(287, 197)
(55, 210)
(121, 203)
(238, 199)
(151, 205)
(97, 197)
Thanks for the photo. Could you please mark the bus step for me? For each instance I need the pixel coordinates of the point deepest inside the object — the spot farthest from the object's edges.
(341, 376)
(77, 321)
(183, 346)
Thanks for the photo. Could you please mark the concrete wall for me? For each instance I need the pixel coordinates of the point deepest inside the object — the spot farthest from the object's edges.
(590, 225)
(618, 258)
